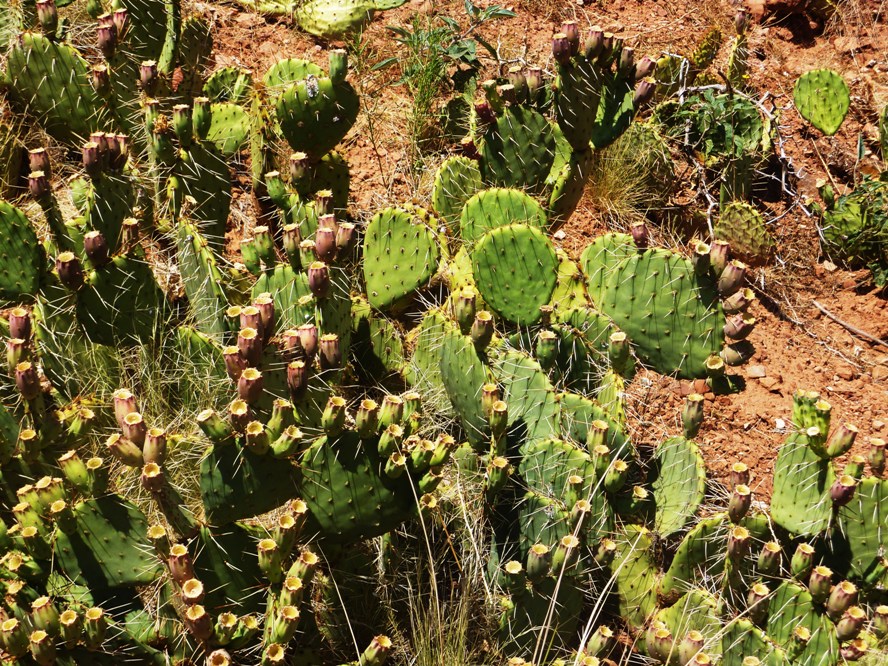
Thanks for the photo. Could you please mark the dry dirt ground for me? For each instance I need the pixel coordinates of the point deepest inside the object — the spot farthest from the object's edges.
(798, 345)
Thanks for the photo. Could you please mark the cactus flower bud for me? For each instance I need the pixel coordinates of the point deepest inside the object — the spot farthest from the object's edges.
(92, 161)
(125, 450)
(738, 326)
(42, 647)
(854, 467)
(851, 623)
(331, 352)
(692, 415)
(96, 248)
(738, 301)
(757, 602)
(626, 65)
(539, 559)
(841, 598)
(183, 125)
(16, 352)
(616, 476)
(38, 160)
(38, 185)
(235, 364)
(739, 474)
(691, 645)
(153, 479)
(256, 438)
(180, 564)
(606, 551)
(250, 386)
(27, 381)
(880, 622)
(107, 40)
(297, 378)
(855, 650)
(499, 418)
(644, 92)
(644, 68)
(562, 49)
(308, 337)
(95, 624)
(739, 504)
(482, 330)
(718, 256)
(346, 239)
(819, 583)
(323, 202)
(20, 323)
(319, 279)
(48, 17)
(148, 77)
(731, 278)
(566, 554)
(659, 643)
(464, 302)
(325, 244)
(333, 418)
(547, 348)
(220, 657)
(802, 562)
(738, 542)
(249, 343)
(299, 164)
(74, 470)
(239, 415)
(70, 271)
(71, 628)
(842, 490)
(134, 428)
(396, 465)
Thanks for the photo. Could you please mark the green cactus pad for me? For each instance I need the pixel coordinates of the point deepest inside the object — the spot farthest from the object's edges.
(823, 99)
(743, 639)
(672, 316)
(110, 548)
(330, 173)
(229, 84)
(110, 200)
(801, 501)
(570, 289)
(861, 535)
(615, 111)
(569, 185)
(282, 74)
(426, 341)
(498, 207)
(53, 82)
(229, 128)
(741, 225)
(241, 586)
(578, 413)
(695, 611)
(21, 258)
(601, 257)
(457, 180)
(347, 492)
(315, 114)
(377, 347)
(236, 484)
(331, 20)
(635, 574)
(518, 150)
(202, 280)
(577, 95)
(678, 479)
(401, 255)
(206, 178)
(533, 406)
(515, 269)
(702, 549)
(121, 302)
(532, 614)
(791, 606)
(463, 374)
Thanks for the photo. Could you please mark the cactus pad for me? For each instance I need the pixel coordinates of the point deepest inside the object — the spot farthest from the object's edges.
(863, 527)
(202, 280)
(672, 316)
(533, 407)
(314, 114)
(347, 492)
(236, 483)
(515, 269)
(801, 501)
(463, 374)
(791, 606)
(21, 257)
(601, 257)
(823, 99)
(678, 478)
(741, 225)
(401, 255)
(456, 181)
(518, 150)
(498, 207)
(109, 547)
(635, 574)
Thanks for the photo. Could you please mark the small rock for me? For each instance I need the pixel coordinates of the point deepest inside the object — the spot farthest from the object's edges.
(780, 424)
(878, 424)
(879, 372)
(559, 235)
(829, 266)
(846, 372)
(771, 384)
(756, 371)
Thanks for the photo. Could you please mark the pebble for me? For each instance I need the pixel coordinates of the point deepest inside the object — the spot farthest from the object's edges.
(879, 372)
(756, 371)
(846, 372)
(771, 384)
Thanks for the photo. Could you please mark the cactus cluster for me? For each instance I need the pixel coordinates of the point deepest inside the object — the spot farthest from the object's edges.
(349, 372)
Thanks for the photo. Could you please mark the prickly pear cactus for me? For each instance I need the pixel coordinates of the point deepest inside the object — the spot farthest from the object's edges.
(741, 225)
(401, 255)
(516, 269)
(823, 99)
(22, 257)
(498, 207)
(456, 181)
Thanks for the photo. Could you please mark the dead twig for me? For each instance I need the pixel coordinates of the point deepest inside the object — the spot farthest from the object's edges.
(850, 327)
